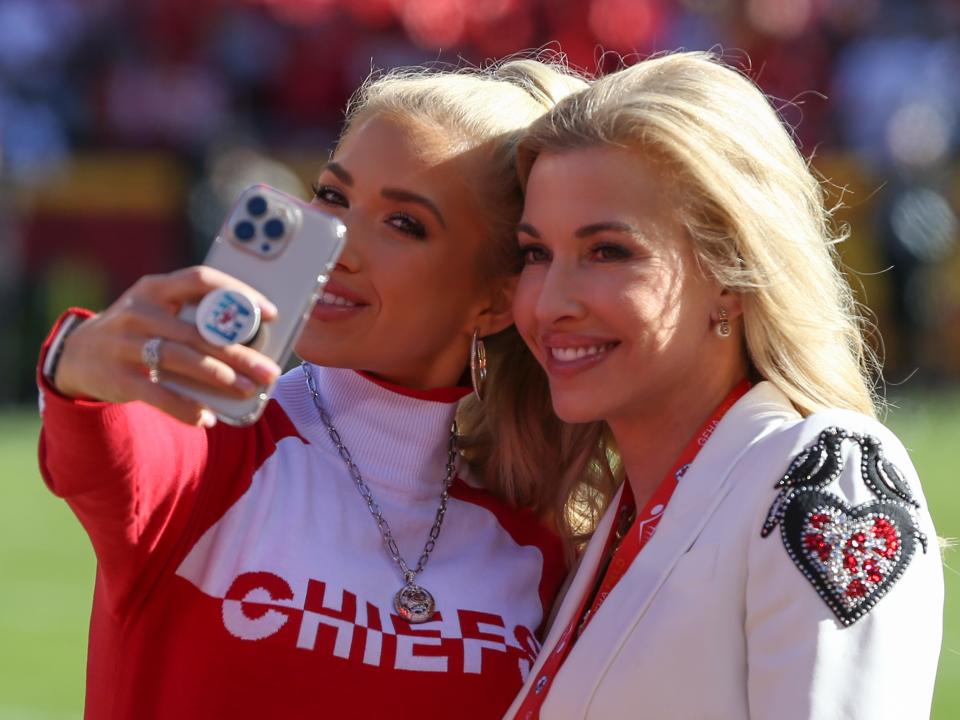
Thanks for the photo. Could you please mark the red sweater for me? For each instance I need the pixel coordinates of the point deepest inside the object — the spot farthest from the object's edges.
(240, 574)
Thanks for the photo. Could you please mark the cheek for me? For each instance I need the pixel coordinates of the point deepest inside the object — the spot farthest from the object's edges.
(664, 321)
(639, 315)
(407, 300)
(431, 292)
(525, 303)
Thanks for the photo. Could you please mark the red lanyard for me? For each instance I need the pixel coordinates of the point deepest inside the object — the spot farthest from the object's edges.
(637, 536)
(634, 538)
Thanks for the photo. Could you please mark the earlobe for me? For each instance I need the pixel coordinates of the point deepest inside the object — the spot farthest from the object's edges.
(491, 322)
(728, 308)
(498, 315)
(731, 302)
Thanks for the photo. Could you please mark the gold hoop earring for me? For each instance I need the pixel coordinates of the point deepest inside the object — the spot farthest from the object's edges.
(478, 364)
(723, 325)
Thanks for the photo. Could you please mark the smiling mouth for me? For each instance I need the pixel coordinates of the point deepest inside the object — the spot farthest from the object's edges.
(328, 298)
(570, 354)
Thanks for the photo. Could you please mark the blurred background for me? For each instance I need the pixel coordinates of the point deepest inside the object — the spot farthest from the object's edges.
(128, 126)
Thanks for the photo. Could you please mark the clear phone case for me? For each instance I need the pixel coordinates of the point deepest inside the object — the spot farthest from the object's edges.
(284, 248)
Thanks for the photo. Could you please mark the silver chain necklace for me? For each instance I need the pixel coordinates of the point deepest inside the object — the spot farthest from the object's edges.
(412, 602)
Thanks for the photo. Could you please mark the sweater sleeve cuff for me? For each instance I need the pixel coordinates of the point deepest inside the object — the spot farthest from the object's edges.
(48, 391)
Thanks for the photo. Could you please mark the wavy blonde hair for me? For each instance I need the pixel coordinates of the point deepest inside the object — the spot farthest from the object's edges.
(510, 438)
(752, 207)
(474, 109)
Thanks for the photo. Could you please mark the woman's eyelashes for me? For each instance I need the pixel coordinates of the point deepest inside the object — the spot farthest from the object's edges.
(533, 254)
(408, 225)
(610, 252)
(403, 222)
(329, 195)
(607, 252)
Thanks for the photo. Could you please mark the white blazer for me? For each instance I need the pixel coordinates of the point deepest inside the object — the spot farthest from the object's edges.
(714, 620)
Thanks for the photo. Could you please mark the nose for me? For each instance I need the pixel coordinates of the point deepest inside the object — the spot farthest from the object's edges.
(348, 261)
(351, 259)
(559, 296)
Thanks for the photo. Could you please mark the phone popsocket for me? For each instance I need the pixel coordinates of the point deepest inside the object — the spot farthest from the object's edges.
(228, 316)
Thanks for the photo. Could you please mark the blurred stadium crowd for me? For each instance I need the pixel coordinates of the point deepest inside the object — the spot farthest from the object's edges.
(127, 127)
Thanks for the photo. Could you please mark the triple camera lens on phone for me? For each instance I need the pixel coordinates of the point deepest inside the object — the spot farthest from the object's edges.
(259, 223)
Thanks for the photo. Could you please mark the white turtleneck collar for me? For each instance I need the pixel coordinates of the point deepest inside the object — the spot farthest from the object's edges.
(398, 438)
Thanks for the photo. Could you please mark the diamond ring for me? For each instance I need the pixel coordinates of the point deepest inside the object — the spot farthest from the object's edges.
(150, 355)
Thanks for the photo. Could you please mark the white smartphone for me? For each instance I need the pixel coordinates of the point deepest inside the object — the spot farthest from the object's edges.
(283, 247)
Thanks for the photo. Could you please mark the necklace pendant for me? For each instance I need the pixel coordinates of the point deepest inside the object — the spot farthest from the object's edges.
(414, 604)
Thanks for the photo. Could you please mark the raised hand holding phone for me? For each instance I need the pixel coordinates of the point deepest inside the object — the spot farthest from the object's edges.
(269, 261)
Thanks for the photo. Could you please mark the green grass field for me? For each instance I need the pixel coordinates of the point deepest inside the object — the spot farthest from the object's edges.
(46, 565)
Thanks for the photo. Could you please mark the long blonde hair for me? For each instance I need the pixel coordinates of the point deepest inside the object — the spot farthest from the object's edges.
(510, 438)
(752, 207)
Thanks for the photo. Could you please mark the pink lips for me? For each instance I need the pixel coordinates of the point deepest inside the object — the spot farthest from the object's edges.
(568, 354)
(330, 312)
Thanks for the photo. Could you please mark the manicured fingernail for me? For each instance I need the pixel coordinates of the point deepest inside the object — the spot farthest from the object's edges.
(244, 385)
(268, 307)
(267, 371)
(207, 418)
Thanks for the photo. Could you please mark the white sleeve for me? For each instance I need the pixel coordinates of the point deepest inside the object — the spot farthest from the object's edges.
(803, 661)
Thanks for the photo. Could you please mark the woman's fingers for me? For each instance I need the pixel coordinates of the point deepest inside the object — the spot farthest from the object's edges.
(248, 362)
(221, 364)
(191, 284)
(233, 367)
(177, 358)
(107, 348)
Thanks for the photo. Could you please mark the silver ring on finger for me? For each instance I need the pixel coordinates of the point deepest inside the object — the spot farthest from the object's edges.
(150, 355)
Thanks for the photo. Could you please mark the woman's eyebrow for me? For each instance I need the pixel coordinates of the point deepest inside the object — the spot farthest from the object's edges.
(338, 170)
(609, 226)
(528, 229)
(397, 194)
(587, 230)
(401, 195)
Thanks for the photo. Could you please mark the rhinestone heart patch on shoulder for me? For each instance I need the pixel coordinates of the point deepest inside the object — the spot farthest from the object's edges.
(851, 555)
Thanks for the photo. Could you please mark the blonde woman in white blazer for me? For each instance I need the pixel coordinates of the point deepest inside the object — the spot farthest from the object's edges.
(680, 290)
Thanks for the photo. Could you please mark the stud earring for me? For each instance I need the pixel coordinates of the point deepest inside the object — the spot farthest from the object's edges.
(478, 364)
(723, 324)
